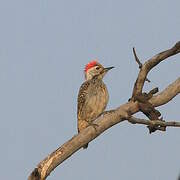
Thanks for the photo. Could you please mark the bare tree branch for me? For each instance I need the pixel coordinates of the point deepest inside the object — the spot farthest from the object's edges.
(143, 98)
(136, 58)
(110, 118)
(167, 94)
(156, 123)
(139, 62)
(150, 64)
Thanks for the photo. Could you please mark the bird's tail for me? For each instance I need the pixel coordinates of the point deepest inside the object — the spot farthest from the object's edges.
(82, 124)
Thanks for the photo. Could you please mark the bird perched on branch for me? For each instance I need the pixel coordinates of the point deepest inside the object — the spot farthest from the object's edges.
(93, 95)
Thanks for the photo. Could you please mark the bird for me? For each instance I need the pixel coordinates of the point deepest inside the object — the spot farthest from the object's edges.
(93, 95)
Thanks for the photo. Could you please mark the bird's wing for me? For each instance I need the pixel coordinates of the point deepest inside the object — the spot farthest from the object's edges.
(82, 97)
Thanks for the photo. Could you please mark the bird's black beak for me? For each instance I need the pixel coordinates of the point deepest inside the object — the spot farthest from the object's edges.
(108, 68)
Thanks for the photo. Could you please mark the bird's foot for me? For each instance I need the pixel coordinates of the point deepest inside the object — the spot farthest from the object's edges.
(94, 125)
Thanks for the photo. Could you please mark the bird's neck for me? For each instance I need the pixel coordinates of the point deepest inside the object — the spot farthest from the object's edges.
(96, 77)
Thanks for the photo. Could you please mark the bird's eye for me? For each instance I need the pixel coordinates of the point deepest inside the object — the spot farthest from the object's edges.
(97, 68)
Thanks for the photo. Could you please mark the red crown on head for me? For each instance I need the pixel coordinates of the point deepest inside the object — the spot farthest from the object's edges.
(90, 65)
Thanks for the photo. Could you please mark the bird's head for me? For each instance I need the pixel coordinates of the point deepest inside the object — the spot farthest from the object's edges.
(93, 68)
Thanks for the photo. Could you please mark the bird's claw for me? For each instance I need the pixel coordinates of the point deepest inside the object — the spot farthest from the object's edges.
(94, 125)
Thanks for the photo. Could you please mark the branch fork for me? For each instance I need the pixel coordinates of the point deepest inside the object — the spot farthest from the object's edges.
(140, 101)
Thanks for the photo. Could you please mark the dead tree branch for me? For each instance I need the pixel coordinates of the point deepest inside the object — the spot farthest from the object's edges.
(137, 59)
(156, 123)
(145, 102)
(167, 94)
(139, 62)
(143, 98)
(149, 64)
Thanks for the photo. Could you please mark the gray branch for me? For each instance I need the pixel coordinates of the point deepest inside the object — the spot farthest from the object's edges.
(156, 123)
(149, 64)
(110, 118)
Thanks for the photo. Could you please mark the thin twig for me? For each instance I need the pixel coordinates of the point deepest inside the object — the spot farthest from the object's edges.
(157, 123)
(139, 62)
(136, 58)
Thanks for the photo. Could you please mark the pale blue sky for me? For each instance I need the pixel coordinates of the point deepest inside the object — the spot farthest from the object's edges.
(44, 46)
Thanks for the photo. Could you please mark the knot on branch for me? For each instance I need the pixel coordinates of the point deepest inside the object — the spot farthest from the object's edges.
(147, 108)
(144, 97)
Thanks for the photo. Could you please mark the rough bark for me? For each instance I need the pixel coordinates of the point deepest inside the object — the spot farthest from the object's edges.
(145, 102)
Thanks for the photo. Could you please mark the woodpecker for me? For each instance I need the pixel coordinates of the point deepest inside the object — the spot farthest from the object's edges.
(93, 95)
